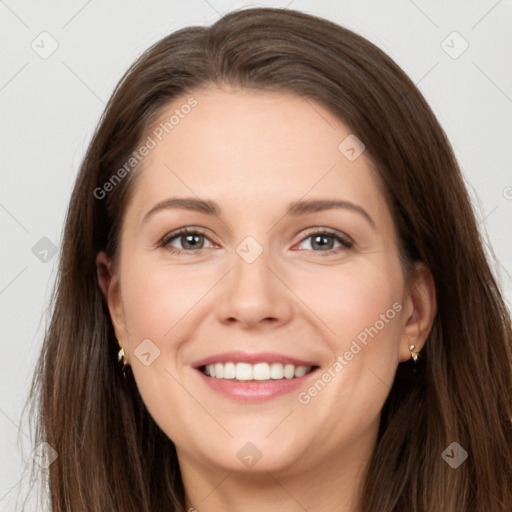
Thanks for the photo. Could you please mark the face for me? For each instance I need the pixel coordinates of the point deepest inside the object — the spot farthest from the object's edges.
(287, 287)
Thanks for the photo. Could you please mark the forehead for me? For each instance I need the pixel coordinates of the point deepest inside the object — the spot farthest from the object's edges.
(253, 148)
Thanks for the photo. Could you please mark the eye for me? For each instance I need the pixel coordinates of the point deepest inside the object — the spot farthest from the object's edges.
(191, 241)
(325, 240)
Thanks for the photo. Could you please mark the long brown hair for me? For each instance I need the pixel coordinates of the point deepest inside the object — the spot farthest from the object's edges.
(112, 455)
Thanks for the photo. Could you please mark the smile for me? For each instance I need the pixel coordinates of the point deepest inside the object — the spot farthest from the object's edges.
(254, 377)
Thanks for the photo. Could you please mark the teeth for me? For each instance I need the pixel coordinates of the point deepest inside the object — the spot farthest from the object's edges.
(300, 371)
(276, 371)
(229, 371)
(243, 371)
(259, 371)
(289, 371)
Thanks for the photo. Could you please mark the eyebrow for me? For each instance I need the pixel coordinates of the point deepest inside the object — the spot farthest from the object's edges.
(294, 209)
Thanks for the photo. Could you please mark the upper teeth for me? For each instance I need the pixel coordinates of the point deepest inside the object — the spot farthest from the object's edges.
(259, 371)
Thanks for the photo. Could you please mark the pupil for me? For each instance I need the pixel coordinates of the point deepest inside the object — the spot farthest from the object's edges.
(188, 238)
(322, 242)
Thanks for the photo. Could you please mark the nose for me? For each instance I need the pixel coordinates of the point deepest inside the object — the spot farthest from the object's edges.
(253, 294)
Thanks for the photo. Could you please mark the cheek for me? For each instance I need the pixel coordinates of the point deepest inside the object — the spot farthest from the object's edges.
(361, 312)
(156, 297)
(358, 303)
(156, 300)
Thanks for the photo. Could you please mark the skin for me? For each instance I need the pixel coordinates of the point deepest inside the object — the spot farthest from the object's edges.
(254, 153)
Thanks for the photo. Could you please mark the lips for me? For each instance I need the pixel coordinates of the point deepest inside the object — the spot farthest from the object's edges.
(246, 377)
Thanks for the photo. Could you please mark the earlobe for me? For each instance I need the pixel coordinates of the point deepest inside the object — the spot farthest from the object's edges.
(422, 311)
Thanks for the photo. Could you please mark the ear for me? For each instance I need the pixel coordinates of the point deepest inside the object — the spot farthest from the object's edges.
(420, 310)
(108, 281)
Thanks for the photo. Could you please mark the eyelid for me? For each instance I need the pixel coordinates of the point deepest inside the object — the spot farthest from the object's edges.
(346, 241)
(190, 230)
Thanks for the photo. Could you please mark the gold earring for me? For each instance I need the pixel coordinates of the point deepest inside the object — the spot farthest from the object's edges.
(121, 356)
(414, 355)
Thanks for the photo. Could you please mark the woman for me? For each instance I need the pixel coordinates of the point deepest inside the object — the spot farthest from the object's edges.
(255, 373)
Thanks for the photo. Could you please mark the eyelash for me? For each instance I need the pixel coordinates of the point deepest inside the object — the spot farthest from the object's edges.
(345, 241)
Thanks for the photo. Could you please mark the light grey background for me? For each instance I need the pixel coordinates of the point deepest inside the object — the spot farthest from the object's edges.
(50, 106)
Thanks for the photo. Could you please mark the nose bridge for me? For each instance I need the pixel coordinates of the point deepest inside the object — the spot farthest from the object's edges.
(251, 265)
(252, 292)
